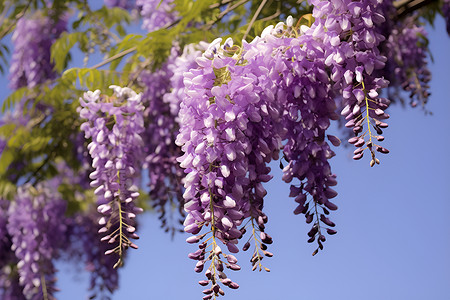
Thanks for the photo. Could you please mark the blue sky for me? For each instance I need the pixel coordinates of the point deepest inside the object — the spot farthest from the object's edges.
(393, 238)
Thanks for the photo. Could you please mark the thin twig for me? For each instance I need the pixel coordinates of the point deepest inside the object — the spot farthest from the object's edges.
(215, 5)
(406, 7)
(114, 57)
(225, 12)
(17, 18)
(276, 14)
(254, 18)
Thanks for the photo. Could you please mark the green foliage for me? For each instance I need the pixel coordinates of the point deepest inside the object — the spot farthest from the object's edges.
(61, 48)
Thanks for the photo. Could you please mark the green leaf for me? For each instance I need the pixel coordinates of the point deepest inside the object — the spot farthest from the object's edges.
(60, 49)
(5, 160)
(14, 98)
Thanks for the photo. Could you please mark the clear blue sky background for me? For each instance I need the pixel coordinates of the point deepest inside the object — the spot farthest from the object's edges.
(393, 224)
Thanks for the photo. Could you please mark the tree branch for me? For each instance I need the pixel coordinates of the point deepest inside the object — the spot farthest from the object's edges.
(405, 7)
(258, 11)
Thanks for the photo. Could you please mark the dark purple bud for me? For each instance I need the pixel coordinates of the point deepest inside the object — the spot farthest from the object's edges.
(222, 275)
(246, 246)
(358, 156)
(199, 266)
(192, 239)
(320, 245)
(203, 282)
(216, 288)
(263, 235)
(379, 112)
(202, 245)
(207, 297)
(265, 218)
(353, 139)
(331, 206)
(268, 254)
(207, 292)
(360, 142)
(311, 239)
(231, 259)
(331, 231)
(309, 218)
(378, 130)
(221, 292)
(219, 266)
(357, 129)
(299, 209)
(313, 231)
(300, 199)
(322, 238)
(226, 281)
(196, 254)
(234, 285)
(267, 240)
(350, 123)
(305, 209)
(232, 248)
(382, 150)
(334, 140)
(358, 151)
(326, 221)
(380, 138)
(330, 193)
(208, 274)
(263, 247)
(234, 267)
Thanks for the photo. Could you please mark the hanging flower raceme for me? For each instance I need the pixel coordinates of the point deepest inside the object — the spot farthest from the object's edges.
(10, 289)
(86, 243)
(308, 109)
(348, 31)
(446, 14)
(37, 228)
(114, 124)
(406, 49)
(164, 173)
(32, 40)
(156, 14)
(230, 129)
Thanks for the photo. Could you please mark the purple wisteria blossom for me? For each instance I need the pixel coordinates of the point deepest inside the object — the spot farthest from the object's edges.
(10, 288)
(125, 4)
(156, 14)
(86, 246)
(309, 107)
(230, 131)
(114, 124)
(37, 229)
(446, 14)
(161, 128)
(406, 49)
(32, 40)
(351, 41)
(176, 68)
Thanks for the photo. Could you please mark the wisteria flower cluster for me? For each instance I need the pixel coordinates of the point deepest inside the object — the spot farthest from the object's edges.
(114, 124)
(406, 68)
(37, 230)
(201, 136)
(32, 40)
(156, 14)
